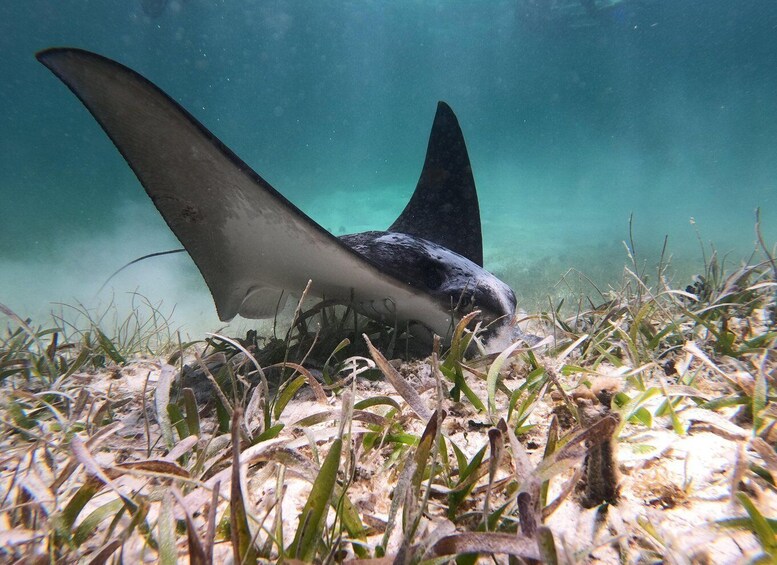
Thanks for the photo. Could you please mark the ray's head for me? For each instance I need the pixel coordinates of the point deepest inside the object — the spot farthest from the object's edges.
(495, 300)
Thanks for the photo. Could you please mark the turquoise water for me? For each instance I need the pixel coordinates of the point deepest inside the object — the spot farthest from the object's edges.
(666, 109)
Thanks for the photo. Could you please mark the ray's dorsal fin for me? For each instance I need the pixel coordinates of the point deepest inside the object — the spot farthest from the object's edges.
(444, 207)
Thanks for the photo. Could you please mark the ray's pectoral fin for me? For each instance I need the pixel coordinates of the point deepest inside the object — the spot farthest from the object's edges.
(248, 242)
(262, 303)
(444, 207)
(207, 195)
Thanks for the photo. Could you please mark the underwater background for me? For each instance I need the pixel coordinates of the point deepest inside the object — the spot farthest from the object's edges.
(576, 113)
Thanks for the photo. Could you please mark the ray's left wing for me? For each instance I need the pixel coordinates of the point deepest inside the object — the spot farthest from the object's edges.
(247, 240)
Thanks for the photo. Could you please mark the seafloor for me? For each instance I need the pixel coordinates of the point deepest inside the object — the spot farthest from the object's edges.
(639, 429)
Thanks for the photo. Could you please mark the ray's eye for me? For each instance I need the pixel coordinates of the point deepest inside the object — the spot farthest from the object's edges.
(464, 302)
(488, 301)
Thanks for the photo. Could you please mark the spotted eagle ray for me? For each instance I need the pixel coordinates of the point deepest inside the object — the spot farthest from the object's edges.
(252, 245)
